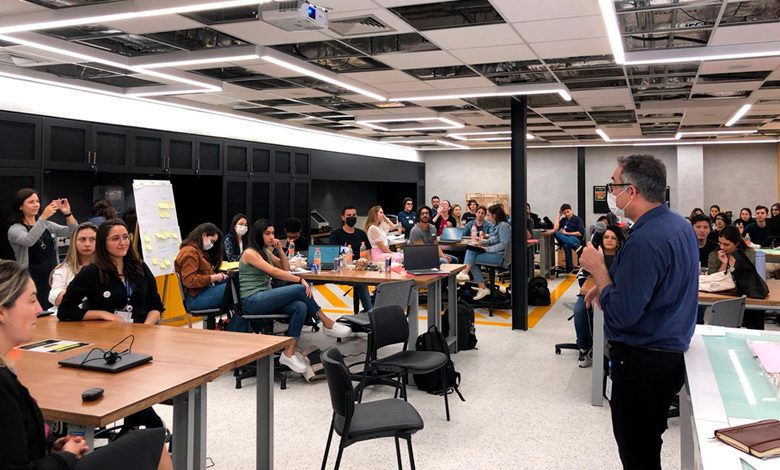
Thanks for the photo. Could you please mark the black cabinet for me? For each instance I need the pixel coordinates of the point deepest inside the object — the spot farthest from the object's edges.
(181, 154)
(282, 163)
(20, 140)
(247, 159)
(148, 148)
(260, 200)
(110, 148)
(302, 165)
(67, 145)
(209, 156)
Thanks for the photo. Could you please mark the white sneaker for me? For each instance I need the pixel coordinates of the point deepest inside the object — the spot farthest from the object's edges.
(339, 330)
(463, 277)
(294, 363)
(482, 293)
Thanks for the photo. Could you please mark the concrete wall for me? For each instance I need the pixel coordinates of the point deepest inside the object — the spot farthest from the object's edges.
(737, 176)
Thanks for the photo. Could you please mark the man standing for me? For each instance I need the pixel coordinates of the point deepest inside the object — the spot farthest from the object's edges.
(349, 235)
(568, 231)
(649, 297)
(757, 230)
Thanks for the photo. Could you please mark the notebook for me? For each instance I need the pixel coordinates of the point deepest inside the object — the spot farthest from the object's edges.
(126, 361)
(761, 438)
(421, 259)
(327, 254)
(451, 235)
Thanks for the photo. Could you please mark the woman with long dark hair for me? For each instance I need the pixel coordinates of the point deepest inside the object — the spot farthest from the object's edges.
(234, 240)
(118, 286)
(24, 433)
(32, 236)
(198, 264)
(258, 266)
(500, 236)
(745, 218)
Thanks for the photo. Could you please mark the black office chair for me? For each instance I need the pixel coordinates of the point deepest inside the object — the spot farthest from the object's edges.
(496, 298)
(389, 326)
(356, 422)
(208, 315)
(388, 293)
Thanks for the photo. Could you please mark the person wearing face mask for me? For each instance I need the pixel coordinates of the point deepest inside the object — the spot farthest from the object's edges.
(649, 297)
(198, 263)
(80, 252)
(407, 218)
(349, 235)
(234, 240)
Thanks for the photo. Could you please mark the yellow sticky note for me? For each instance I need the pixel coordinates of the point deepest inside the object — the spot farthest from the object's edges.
(148, 246)
(154, 260)
(161, 205)
(161, 213)
(147, 238)
(158, 235)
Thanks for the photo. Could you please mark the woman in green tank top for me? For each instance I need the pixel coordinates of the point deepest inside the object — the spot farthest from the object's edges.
(257, 267)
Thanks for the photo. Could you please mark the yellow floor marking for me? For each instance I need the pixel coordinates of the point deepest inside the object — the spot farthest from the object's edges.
(538, 312)
(333, 310)
(331, 297)
(479, 315)
(345, 288)
(502, 314)
(492, 323)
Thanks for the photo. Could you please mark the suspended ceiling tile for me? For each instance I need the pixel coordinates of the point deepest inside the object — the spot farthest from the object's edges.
(774, 75)
(442, 102)
(402, 3)
(27, 50)
(264, 34)
(273, 70)
(357, 98)
(607, 97)
(384, 16)
(454, 83)
(550, 111)
(337, 7)
(532, 10)
(771, 94)
(473, 36)
(486, 55)
(415, 60)
(580, 47)
(725, 87)
(303, 108)
(745, 34)
(562, 29)
(381, 76)
(19, 8)
(298, 92)
(773, 125)
(742, 65)
(210, 98)
(155, 24)
(416, 85)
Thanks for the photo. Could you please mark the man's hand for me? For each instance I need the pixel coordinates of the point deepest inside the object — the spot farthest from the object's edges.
(592, 297)
(592, 259)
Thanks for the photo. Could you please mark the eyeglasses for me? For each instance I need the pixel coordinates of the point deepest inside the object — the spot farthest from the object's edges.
(117, 238)
(610, 186)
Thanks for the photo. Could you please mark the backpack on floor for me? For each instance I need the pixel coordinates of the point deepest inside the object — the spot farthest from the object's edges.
(467, 336)
(433, 340)
(538, 293)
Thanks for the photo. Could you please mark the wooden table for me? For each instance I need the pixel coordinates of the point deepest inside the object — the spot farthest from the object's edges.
(431, 282)
(771, 302)
(184, 360)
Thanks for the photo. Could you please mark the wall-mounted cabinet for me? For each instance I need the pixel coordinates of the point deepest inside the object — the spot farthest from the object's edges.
(20, 140)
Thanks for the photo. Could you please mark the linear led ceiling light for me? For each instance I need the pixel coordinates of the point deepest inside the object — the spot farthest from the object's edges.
(609, 16)
(484, 136)
(738, 115)
(380, 122)
(117, 11)
(682, 134)
(512, 90)
(606, 138)
(708, 142)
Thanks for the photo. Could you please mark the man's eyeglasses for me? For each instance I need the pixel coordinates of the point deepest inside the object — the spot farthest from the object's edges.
(117, 238)
(610, 186)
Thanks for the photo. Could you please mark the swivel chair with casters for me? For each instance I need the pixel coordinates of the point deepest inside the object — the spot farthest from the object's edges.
(208, 315)
(356, 422)
(496, 298)
(388, 293)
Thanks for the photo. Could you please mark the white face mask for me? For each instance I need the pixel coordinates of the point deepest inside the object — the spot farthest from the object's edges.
(241, 229)
(207, 244)
(613, 207)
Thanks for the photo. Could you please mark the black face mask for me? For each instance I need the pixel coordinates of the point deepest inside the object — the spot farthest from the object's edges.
(351, 221)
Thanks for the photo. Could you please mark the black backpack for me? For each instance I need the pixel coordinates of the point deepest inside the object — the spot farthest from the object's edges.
(433, 340)
(467, 337)
(538, 293)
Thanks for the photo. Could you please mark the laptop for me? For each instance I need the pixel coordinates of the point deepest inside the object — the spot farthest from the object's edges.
(126, 361)
(328, 253)
(421, 259)
(451, 235)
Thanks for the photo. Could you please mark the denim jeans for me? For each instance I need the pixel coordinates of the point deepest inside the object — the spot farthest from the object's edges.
(474, 257)
(210, 297)
(582, 319)
(364, 295)
(290, 299)
(568, 242)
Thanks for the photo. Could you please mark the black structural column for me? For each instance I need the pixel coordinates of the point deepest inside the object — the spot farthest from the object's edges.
(518, 198)
(581, 184)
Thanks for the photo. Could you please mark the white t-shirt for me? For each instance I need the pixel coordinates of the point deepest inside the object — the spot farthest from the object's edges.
(377, 233)
(60, 278)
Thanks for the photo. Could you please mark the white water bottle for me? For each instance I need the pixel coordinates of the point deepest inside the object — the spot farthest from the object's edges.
(761, 264)
(474, 233)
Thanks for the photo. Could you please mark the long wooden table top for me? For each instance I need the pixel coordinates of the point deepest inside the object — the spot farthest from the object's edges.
(351, 276)
(772, 300)
(183, 358)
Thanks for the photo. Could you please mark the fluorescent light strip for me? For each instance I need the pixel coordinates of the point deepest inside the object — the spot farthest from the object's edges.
(452, 144)
(128, 15)
(459, 136)
(680, 134)
(743, 380)
(604, 136)
(180, 63)
(609, 16)
(560, 91)
(406, 119)
(166, 92)
(702, 58)
(738, 115)
(707, 142)
(324, 78)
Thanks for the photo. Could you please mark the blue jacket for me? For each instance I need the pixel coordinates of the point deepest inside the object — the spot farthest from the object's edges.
(486, 226)
(500, 236)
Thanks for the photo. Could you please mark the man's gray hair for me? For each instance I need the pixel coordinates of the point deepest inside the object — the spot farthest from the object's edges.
(647, 174)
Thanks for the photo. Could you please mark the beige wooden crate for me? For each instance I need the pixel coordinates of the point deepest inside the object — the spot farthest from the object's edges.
(488, 200)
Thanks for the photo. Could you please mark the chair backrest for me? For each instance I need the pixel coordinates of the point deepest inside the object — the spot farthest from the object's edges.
(728, 313)
(181, 291)
(342, 395)
(388, 326)
(507, 260)
(394, 293)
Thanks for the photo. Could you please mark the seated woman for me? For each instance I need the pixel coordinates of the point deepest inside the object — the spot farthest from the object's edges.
(721, 221)
(729, 241)
(24, 433)
(696, 211)
(745, 219)
(457, 214)
(610, 241)
(80, 252)
(377, 226)
(118, 286)
(494, 247)
(234, 240)
(258, 266)
(197, 264)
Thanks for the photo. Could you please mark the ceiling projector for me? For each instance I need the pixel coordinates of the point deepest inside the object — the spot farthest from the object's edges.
(295, 15)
